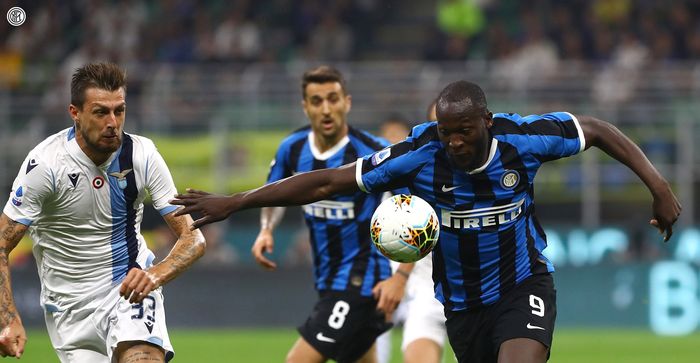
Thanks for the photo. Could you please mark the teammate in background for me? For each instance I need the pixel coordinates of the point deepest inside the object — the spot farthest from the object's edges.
(348, 271)
(477, 170)
(80, 194)
(422, 315)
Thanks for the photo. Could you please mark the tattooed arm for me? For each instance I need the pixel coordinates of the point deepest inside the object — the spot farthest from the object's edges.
(12, 335)
(189, 247)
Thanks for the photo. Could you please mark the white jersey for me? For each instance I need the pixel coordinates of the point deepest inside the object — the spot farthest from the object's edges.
(420, 281)
(85, 219)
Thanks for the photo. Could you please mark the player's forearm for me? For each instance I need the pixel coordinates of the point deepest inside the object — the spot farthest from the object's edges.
(189, 247)
(11, 233)
(405, 269)
(270, 217)
(180, 258)
(8, 311)
(299, 189)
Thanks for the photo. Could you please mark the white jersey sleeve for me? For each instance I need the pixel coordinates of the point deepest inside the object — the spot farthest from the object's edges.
(159, 182)
(34, 183)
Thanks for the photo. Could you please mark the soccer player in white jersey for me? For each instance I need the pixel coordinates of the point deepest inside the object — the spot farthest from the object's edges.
(422, 315)
(80, 194)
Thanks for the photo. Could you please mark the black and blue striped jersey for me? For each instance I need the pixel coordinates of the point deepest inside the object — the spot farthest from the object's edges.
(490, 239)
(343, 255)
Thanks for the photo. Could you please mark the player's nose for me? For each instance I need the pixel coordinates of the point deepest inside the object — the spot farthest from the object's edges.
(455, 142)
(325, 108)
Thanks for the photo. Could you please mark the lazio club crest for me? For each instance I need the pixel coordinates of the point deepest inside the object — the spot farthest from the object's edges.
(121, 177)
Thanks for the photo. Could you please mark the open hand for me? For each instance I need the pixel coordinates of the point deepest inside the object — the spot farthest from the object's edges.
(213, 207)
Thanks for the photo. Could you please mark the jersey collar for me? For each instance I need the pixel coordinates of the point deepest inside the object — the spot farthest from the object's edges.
(492, 153)
(328, 153)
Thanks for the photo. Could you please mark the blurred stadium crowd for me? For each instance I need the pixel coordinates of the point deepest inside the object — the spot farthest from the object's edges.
(341, 30)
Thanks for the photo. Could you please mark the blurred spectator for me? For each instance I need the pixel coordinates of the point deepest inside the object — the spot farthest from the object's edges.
(536, 60)
(237, 38)
(617, 82)
(332, 40)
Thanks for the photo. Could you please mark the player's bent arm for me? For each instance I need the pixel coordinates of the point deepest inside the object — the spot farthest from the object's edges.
(189, 247)
(613, 142)
(12, 336)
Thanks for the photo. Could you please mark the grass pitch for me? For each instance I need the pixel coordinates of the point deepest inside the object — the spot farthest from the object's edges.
(271, 345)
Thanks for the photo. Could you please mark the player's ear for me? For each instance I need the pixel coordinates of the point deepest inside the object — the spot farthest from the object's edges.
(303, 107)
(488, 118)
(348, 103)
(73, 111)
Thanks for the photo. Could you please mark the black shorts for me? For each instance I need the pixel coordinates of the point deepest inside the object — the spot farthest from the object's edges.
(527, 311)
(343, 325)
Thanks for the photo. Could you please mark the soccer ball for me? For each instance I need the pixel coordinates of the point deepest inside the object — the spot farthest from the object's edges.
(404, 228)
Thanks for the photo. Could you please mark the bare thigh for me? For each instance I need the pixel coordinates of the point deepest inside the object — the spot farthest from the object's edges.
(522, 350)
(303, 352)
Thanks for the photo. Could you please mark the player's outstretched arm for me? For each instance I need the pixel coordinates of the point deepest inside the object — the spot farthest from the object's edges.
(189, 247)
(608, 138)
(12, 334)
(299, 189)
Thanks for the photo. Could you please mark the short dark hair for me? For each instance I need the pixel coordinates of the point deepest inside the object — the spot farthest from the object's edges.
(321, 74)
(107, 76)
(463, 92)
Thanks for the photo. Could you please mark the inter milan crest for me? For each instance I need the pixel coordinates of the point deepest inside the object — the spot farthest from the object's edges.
(510, 179)
(31, 164)
(121, 177)
(98, 182)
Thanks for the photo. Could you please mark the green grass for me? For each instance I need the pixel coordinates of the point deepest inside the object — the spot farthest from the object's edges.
(271, 345)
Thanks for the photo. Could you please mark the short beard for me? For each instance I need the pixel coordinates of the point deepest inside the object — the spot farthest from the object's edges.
(99, 148)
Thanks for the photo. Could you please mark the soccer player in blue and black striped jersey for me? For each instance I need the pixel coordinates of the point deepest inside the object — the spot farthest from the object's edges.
(348, 271)
(477, 170)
